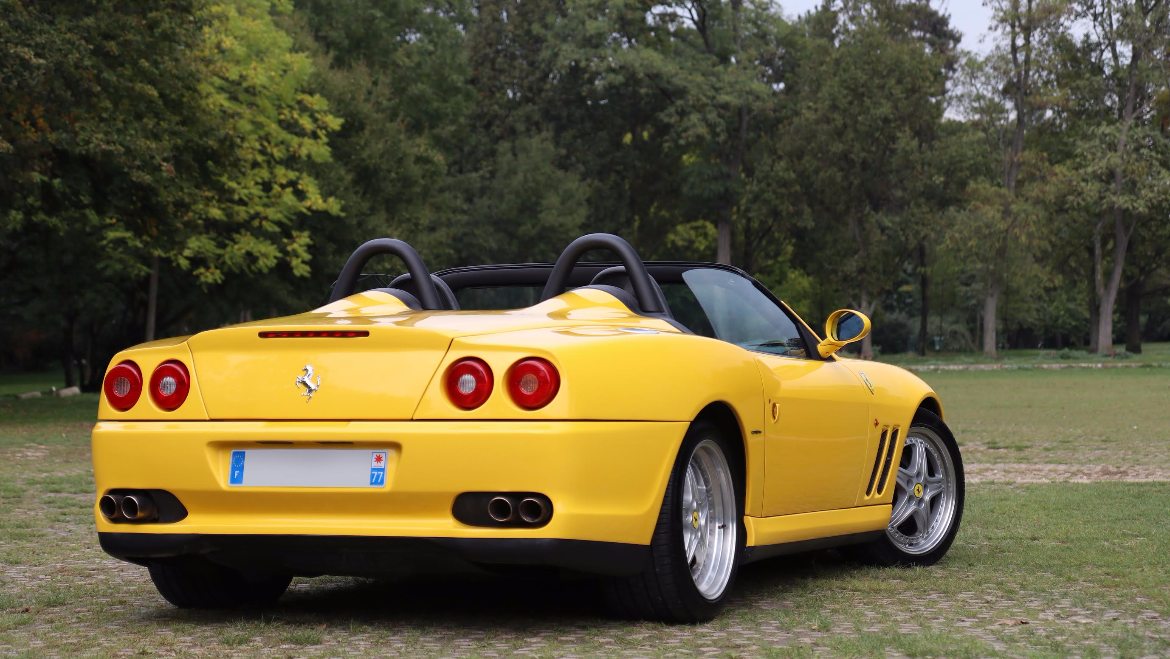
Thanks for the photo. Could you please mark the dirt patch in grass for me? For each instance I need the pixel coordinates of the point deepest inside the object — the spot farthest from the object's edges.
(1030, 472)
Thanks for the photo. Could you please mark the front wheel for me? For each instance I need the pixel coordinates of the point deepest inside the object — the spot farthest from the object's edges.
(928, 498)
(698, 540)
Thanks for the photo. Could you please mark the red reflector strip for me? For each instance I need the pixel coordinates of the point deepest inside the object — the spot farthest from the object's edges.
(331, 334)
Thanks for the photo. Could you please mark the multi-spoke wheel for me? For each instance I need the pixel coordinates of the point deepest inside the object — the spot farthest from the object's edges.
(928, 497)
(924, 497)
(709, 519)
(698, 541)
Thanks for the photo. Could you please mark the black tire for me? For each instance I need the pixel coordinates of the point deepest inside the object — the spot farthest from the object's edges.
(209, 586)
(664, 590)
(885, 552)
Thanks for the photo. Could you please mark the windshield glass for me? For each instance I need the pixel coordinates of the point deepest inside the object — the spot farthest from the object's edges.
(741, 314)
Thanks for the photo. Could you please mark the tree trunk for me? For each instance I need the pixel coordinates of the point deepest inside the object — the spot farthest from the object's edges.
(1121, 236)
(867, 308)
(1133, 316)
(723, 244)
(1094, 309)
(990, 302)
(68, 359)
(87, 361)
(1121, 233)
(734, 159)
(152, 298)
(924, 308)
(1020, 28)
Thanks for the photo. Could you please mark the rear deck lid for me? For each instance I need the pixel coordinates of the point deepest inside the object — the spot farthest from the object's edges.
(380, 372)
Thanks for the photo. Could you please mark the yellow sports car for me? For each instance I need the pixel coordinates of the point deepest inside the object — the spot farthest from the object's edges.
(654, 424)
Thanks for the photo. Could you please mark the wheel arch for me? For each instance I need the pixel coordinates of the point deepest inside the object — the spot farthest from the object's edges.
(932, 403)
(723, 416)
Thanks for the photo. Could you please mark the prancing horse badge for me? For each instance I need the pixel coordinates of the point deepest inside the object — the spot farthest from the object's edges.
(307, 380)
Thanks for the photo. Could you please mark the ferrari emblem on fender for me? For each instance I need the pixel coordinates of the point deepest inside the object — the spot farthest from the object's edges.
(306, 379)
(866, 381)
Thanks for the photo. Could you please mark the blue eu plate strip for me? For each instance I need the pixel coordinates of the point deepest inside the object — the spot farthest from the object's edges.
(237, 474)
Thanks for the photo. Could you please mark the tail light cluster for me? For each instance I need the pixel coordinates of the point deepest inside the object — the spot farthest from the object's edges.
(123, 385)
(531, 383)
(169, 385)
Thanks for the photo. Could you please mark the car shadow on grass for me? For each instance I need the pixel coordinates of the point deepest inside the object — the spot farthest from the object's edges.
(514, 601)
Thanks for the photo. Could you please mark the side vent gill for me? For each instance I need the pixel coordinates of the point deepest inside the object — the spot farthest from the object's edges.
(885, 480)
(882, 462)
(877, 462)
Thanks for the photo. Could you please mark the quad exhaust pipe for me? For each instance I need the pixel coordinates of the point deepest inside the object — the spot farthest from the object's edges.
(533, 510)
(132, 507)
(500, 509)
(110, 506)
(493, 509)
(138, 507)
(519, 509)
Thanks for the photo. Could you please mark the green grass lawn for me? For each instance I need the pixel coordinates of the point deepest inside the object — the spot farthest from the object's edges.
(1038, 570)
(1114, 417)
(1152, 353)
(19, 383)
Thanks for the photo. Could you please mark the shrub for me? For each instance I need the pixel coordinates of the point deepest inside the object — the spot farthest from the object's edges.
(1070, 353)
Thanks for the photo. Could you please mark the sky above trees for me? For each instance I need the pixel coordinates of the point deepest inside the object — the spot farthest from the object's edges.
(971, 17)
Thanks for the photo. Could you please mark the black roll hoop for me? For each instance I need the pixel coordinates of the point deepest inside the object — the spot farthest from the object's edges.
(635, 269)
(428, 296)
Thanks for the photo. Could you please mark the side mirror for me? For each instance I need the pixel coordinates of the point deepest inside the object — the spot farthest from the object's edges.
(843, 327)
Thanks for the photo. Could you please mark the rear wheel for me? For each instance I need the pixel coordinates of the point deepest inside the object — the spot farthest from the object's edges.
(211, 586)
(928, 498)
(699, 538)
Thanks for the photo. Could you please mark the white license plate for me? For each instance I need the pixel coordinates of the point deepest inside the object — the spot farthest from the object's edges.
(267, 467)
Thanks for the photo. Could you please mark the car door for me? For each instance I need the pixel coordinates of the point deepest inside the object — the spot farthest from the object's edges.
(816, 435)
(816, 410)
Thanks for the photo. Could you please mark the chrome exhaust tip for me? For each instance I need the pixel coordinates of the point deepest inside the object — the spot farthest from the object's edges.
(500, 510)
(110, 506)
(533, 511)
(138, 507)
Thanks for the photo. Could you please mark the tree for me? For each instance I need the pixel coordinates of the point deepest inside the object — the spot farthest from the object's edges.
(706, 65)
(1125, 174)
(1005, 94)
(397, 74)
(868, 104)
(133, 136)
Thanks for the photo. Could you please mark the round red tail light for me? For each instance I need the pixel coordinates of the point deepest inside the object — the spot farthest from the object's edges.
(469, 383)
(169, 385)
(123, 385)
(533, 382)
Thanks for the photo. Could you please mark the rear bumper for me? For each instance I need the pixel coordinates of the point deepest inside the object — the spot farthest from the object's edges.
(605, 481)
(310, 555)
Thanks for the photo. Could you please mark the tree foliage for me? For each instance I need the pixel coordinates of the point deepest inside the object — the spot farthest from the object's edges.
(224, 156)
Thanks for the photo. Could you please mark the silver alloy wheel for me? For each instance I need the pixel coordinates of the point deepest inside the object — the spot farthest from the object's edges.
(924, 496)
(709, 519)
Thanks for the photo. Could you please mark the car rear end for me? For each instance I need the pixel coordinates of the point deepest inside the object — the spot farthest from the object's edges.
(365, 443)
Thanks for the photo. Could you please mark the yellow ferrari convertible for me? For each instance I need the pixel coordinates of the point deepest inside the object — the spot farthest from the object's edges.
(655, 424)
